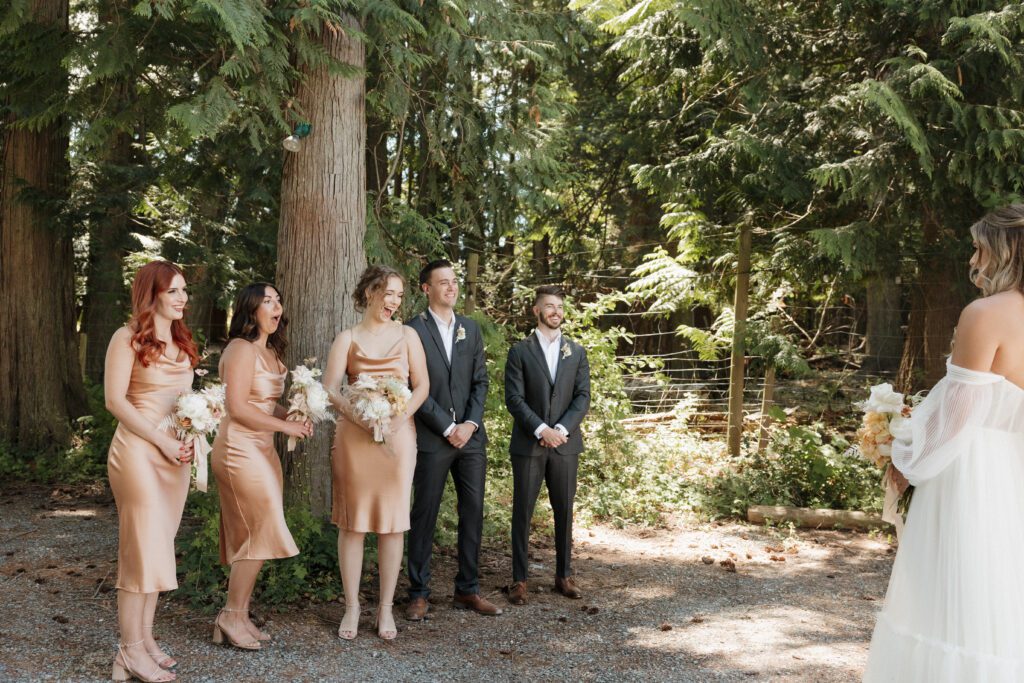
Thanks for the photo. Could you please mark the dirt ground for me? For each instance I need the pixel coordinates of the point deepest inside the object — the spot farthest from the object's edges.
(692, 602)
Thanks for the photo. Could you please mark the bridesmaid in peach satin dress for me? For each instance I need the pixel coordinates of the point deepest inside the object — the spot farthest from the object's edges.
(149, 363)
(372, 482)
(245, 463)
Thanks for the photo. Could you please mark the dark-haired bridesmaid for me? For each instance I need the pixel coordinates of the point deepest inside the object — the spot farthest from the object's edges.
(149, 363)
(245, 463)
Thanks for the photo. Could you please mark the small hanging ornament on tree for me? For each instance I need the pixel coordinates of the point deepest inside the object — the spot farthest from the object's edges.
(293, 143)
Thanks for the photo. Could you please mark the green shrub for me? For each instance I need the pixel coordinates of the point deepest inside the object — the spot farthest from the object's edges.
(84, 460)
(803, 467)
(311, 575)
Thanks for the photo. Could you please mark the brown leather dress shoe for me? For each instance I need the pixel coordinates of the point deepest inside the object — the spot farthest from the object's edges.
(417, 609)
(517, 593)
(567, 587)
(476, 603)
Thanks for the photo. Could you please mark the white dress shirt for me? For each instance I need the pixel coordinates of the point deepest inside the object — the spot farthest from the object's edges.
(551, 349)
(447, 331)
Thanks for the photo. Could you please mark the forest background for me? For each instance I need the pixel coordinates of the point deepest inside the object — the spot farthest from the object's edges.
(758, 208)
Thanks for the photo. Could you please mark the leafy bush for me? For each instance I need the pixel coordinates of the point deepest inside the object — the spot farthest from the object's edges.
(84, 460)
(803, 467)
(311, 575)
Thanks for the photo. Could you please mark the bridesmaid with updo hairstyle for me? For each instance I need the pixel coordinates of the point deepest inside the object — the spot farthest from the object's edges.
(149, 362)
(372, 482)
(245, 463)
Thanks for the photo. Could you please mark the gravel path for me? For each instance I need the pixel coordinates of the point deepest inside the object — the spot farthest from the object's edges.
(659, 605)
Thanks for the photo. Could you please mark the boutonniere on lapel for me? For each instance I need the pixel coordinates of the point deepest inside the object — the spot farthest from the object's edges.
(460, 334)
(566, 350)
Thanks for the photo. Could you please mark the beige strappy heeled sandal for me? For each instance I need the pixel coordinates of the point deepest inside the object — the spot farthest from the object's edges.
(162, 659)
(122, 672)
(220, 636)
(385, 635)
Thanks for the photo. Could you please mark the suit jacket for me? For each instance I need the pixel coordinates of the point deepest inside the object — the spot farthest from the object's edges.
(457, 389)
(533, 399)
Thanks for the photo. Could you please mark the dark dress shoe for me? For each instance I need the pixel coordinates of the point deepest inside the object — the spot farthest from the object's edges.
(476, 603)
(417, 609)
(567, 587)
(517, 593)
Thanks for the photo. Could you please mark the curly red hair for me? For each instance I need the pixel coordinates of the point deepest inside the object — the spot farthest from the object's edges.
(152, 279)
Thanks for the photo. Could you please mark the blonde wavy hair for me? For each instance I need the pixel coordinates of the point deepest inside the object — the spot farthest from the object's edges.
(1000, 239)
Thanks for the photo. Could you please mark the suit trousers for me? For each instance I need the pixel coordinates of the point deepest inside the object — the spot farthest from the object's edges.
(469, 471)
(559, 472)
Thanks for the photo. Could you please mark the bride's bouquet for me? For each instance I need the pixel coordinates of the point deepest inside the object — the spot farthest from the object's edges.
(375, 400)
(195, 417)
(307, 398)
(886, 418)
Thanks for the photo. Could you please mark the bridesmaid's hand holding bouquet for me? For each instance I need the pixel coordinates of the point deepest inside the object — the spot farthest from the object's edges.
(195, 417)
(376, 400)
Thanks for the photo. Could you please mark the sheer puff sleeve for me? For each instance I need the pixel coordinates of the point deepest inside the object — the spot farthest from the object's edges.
(943, 425)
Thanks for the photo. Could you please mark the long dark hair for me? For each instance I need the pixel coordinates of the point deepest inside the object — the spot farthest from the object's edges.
(243, 318)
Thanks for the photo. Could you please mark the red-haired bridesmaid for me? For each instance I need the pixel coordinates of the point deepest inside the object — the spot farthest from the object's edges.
(149, 363)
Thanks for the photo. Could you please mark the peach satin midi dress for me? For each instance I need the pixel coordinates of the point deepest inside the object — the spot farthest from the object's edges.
(372, 482)
(149, 489)
(250, 481)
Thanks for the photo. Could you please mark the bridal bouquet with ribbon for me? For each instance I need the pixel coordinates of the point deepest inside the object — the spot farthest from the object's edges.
(375, 400)
(886, 418)
(195, 417)
(307, 398)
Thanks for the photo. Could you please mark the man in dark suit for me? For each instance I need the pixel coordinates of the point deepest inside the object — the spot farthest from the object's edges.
(547, 391)
(450, 437)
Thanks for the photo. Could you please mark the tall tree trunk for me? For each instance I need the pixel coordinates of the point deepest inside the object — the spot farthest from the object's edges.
(938, 302)
(541, 261)
(320, 242)
(738, 361)
(40, 377)
(202, 272)
(106, 298)
(883, 336)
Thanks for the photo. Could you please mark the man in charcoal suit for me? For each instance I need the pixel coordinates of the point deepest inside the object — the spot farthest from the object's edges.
(450, 438)
(547, 391)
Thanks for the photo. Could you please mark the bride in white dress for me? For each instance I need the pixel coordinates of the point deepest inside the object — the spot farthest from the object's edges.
(954, 610)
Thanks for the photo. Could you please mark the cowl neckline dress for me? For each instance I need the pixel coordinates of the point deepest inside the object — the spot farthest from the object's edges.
(372, 482)
(250, 480)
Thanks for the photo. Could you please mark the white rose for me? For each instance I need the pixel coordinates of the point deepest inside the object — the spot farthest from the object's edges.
(883, 399)
(303, 376)
(900, 428)
(316, 398)
(193, 406)
(364, 381)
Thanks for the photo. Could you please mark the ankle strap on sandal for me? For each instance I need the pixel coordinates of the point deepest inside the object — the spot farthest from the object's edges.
(228, 609)
(130, 645)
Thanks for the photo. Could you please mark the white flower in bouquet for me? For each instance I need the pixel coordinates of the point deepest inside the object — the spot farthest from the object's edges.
(373, 408)
(307, 399)
(197, 415)
(317, 401)
(303, 376)
(364, 382)
(375, 400)
(192, 407)
(884, 399)
(900, 428)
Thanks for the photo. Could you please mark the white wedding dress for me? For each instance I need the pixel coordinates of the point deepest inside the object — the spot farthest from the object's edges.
(954, 610)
